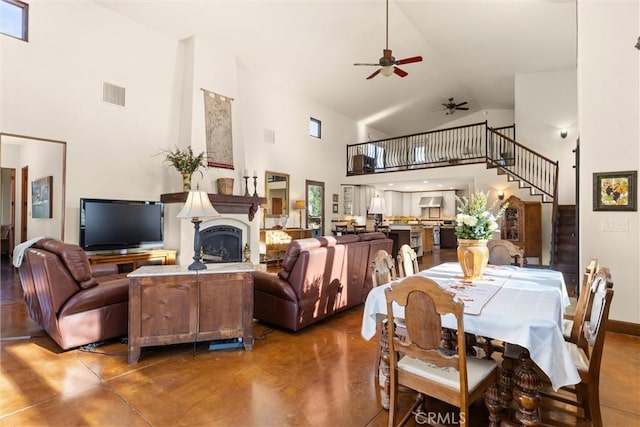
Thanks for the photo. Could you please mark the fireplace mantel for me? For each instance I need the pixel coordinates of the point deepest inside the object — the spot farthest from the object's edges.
(223, 203)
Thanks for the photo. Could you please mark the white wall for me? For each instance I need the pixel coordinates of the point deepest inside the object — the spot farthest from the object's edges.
(608, 113)
(52, 88)
(545, 103)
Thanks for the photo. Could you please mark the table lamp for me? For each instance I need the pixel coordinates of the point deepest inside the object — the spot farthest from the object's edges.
(378, 209)
(196, 207)
(300, 205)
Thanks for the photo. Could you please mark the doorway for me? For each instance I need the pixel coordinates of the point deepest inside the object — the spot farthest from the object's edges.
(315, 206)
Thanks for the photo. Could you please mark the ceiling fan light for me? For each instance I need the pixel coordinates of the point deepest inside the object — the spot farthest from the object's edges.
(386, 71)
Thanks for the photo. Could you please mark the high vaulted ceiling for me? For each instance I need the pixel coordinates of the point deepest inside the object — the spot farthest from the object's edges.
(472, 49)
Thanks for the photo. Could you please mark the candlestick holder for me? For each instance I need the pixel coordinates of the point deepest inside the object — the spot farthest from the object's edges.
(246, 186)
(255, 186)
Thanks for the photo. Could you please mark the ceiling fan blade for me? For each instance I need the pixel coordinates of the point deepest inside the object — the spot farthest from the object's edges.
(462, 108)
(374, 65)
(374, 74)
(400, 72)
(409, 60)
(461, 104)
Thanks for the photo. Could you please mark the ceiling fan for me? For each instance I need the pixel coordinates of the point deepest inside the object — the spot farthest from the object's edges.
(451, 106)
(388, 62)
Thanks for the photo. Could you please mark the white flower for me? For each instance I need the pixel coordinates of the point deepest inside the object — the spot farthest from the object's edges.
(471, 221)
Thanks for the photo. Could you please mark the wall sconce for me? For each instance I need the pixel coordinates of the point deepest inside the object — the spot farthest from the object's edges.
(500, 195)
(563, 133)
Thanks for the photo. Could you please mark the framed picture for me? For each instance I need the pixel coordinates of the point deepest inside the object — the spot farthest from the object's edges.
(41, 190)
(335, 208)
(615, 191)
(335, 198)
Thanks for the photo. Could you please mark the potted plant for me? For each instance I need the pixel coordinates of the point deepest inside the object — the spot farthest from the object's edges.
(475, 225)
(186, 162)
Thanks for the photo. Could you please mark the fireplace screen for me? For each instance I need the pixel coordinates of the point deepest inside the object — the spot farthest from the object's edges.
(221, 243)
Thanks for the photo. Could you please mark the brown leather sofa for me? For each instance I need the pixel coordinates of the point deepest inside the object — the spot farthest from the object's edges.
(319, 277)
(76, 303)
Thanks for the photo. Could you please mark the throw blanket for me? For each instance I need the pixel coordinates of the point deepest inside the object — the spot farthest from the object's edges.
(18, 251)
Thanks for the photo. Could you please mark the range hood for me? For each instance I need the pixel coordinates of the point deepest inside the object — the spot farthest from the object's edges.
(430, 202)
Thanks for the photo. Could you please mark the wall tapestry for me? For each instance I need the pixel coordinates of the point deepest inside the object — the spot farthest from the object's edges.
(41, 197)
(217, 110)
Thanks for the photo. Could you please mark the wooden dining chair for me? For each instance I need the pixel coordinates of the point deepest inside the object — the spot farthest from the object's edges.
(587, 353)
(383, 268)
(503, 252)
(407, 261)
(572, 324)
(360, 229)
(383, 271)
(418, 360)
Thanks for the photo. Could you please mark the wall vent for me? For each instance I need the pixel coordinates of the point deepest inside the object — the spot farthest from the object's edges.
(270, 136)
(112, 94)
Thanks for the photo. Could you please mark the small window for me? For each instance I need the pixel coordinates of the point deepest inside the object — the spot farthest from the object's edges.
(315, 128)
(14, 18)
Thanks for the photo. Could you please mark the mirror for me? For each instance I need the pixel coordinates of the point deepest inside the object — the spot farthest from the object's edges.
(277, 193)
(26, 159)
(315, 207)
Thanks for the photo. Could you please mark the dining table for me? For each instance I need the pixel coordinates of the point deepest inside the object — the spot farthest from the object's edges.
(522, 307)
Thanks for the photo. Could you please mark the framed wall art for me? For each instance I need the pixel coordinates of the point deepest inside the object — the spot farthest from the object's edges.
(615, 191)
(41, 190)
(335, 198)
(335, 208)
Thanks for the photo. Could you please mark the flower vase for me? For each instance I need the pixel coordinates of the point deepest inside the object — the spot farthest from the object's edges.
(186, 181)
(473, 256)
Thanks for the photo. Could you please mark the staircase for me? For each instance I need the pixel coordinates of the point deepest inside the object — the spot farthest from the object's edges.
(566, 251)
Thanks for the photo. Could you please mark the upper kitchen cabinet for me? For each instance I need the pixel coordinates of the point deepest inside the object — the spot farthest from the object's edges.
(393, 203)
(356, 199)
(448, 208)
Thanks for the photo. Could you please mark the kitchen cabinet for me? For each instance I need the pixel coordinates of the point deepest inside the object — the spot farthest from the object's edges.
(356, 199)
(393, 203)
(448, 239)
(448, 209)
(427, 240)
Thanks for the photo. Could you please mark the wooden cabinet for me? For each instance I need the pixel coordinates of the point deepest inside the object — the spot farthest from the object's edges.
(448, 239)
(363, 164)
(129, 262)
(427, 240)
(171, 305)
(522, 225)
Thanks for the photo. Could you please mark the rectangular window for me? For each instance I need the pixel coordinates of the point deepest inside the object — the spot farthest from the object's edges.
(14, 18)
(315, 128)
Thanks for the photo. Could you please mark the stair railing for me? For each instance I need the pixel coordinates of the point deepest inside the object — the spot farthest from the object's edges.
(438, 148)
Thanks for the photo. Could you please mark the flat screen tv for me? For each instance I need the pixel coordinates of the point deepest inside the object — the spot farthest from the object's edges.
(118, 225)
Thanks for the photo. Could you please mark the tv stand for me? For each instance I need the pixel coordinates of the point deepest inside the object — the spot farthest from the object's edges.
(130, 261)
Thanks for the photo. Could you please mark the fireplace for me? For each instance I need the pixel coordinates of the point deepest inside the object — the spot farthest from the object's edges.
(221, 243)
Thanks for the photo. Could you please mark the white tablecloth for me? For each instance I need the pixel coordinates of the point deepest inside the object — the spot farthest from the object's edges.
(527, 311)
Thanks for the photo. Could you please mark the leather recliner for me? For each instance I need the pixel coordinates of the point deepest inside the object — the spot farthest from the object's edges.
(76, 303)
(319, 278)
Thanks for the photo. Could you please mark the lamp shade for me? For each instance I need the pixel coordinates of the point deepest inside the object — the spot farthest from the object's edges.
(377, 206)
(299, 204)
(197, 206)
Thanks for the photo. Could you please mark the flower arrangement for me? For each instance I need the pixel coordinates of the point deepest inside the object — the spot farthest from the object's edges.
(475, 221)
(185, 161)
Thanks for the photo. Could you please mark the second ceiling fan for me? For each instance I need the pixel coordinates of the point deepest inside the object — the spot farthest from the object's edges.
(388, 62)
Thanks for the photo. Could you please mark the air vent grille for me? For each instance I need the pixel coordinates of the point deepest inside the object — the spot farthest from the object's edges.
(270, 136)
(113, 94)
